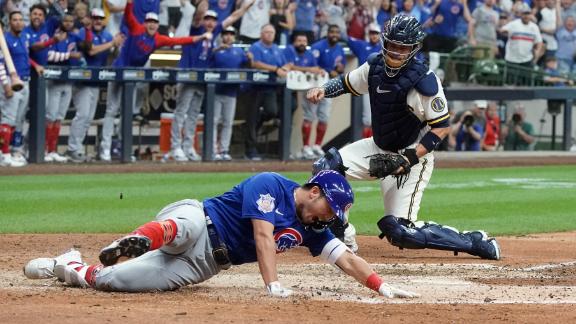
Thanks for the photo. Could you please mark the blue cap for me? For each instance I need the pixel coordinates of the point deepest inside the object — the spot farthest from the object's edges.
(337, 190)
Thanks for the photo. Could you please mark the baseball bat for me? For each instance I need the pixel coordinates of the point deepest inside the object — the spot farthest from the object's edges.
(17, 84)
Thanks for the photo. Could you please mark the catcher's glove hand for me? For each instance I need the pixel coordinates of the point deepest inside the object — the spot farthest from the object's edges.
(385, 164)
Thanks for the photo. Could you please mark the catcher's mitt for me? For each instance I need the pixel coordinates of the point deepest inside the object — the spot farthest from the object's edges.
(385, 164)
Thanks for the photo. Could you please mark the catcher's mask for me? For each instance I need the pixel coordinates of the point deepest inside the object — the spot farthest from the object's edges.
(401, 39)
(337, 192)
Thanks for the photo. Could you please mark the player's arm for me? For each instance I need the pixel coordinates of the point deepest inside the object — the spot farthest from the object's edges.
(437, 117)
(162, 40)
(237, 13)
(354, 82)
(335, 252)
(133, 26)
(115, 42)
(58, 36)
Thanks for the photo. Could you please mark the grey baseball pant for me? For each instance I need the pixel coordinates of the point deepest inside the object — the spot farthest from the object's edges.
(85, 101)
(224, 111)
(188, 105)
(187, 260)
(13, 110)
(59, 97)
(320, 111)
(113, 102)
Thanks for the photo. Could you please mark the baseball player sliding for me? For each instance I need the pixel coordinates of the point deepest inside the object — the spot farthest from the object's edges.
(191, 241)
(409, 119)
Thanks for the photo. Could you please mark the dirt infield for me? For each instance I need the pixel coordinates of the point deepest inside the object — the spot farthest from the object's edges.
(534, 282)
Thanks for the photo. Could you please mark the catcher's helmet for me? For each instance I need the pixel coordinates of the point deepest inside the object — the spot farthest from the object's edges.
(402, 31)
(338, 193)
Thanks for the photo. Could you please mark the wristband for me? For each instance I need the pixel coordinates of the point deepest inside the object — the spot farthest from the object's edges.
(430, 141)
(374, 282)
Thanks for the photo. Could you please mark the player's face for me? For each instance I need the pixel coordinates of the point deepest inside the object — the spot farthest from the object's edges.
(334, 35)
(373, 37)
(267, 34)
(209, 23)
(314, 208)
(17, 23)
(396, 54)
(228, 38)
(37, 18)
(151, 26)
(300, 43)
(98, 23)
(67, 23)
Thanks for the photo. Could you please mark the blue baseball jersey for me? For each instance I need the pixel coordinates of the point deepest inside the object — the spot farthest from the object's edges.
(140, 9)
(267, 196)
(328, 56)
(42, 34)
(19, 47)
(362, 49)
(222, 7)
(229, 58)
(305, 14)
(69, 44)
(305, 59)
(451, 10)
(98, 38)
(272, 55)
(198, 55)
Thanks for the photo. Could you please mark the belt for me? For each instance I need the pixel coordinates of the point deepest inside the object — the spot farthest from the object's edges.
(219, 249)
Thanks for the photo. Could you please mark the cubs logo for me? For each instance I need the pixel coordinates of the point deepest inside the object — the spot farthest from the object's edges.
(438, 104)
(286, 239)
(265, 203)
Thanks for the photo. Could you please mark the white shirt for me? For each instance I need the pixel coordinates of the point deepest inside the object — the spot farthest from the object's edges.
(521, 41)
(430, 109)
(549, 22)
(115, 19)
(257, 16)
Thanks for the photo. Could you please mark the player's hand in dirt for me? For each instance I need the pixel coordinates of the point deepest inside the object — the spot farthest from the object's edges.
(275, 289)
(391, 292)
(315, 95)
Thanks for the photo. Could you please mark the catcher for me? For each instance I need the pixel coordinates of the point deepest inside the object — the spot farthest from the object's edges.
(409, 119)
(191, 241)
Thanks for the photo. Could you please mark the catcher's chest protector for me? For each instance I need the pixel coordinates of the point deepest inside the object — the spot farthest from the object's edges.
(393, 124)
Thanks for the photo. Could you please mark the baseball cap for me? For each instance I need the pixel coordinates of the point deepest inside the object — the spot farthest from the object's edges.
(211, 13)
(229, 29)
(97, 12)
(151, 16)
(374, 28)
(481, 103)
(337, 191)
(525, 9)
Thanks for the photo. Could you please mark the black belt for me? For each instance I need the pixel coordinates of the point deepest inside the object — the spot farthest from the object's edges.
(219, 249)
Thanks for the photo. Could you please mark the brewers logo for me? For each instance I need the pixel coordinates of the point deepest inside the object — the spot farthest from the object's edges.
(286, 239)
(438, 104)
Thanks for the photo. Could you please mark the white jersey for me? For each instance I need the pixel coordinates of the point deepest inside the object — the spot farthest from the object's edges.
(549, 22)
(257, 16)
(521, 41)
(115, 19)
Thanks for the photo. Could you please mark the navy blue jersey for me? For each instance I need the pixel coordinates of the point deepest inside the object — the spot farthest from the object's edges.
(229, 58)
(362, 49)
(328, 56)
(198, 55)
(267, 196)
(305, 59)
(42, 34)
(18, 47)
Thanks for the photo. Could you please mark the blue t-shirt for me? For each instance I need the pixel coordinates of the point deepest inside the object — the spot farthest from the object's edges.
(362, 49)
(42, 34)
(305, 59)
(229, 58)
(222, 7)
(305, 14)
(465, 142)
(267, 196)
(18, 47)
(451, 10)
(198, 55)
(100, 38)
(328, 56)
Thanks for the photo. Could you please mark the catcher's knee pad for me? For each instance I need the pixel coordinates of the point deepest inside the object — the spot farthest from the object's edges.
(332, 160)
(404, 234)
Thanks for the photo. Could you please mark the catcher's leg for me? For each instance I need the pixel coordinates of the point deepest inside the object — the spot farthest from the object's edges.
(405, 234)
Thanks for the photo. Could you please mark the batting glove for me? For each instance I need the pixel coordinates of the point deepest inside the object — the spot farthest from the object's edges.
(275, 289)
(388, 291)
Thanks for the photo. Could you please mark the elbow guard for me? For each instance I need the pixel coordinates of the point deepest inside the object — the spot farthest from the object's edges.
(334, 88)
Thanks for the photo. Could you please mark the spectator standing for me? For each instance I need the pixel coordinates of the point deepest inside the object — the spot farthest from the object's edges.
(524, 46)
(305, 13)
(331, 58)
(266, 56)
(566, 46)
(565, 8)
(22, 6)
(190, 97)
(114, 10)
(547, 21)
(519, 134)
(80, 14)
(443, 35)
(334, 14)
(223, 8)
(410, 9)
(303, 60)
(385, 12)
(491, 138)
(362, 49)
(253, 20)
(482, 28)
(226, 56)
(358, 18)
(282, 18)
(86, 94)
(140, 43)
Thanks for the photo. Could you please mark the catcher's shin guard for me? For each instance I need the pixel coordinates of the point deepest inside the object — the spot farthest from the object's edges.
(404, 234)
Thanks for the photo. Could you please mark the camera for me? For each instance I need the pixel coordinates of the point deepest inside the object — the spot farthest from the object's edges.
(468, 121)
(516, 118)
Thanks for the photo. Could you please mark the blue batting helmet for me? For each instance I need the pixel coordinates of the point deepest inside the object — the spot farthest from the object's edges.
(337, 191)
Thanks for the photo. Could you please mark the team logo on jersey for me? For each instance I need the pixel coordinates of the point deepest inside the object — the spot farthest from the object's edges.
(265, 203)
(438, 104)
(286, 239)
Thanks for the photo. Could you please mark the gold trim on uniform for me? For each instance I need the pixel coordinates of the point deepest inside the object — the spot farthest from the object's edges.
(347, 84)
(439, 119)
(416, 189)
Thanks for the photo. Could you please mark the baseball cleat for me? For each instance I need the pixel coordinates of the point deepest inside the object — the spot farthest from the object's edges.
(130, 246)
(43, 268)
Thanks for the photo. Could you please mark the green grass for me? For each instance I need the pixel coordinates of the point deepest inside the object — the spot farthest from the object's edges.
(501, 201)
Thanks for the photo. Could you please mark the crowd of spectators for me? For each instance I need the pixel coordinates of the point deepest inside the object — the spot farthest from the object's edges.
(85, 32)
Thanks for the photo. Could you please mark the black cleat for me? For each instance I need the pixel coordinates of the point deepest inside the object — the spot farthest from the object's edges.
(131, 246)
